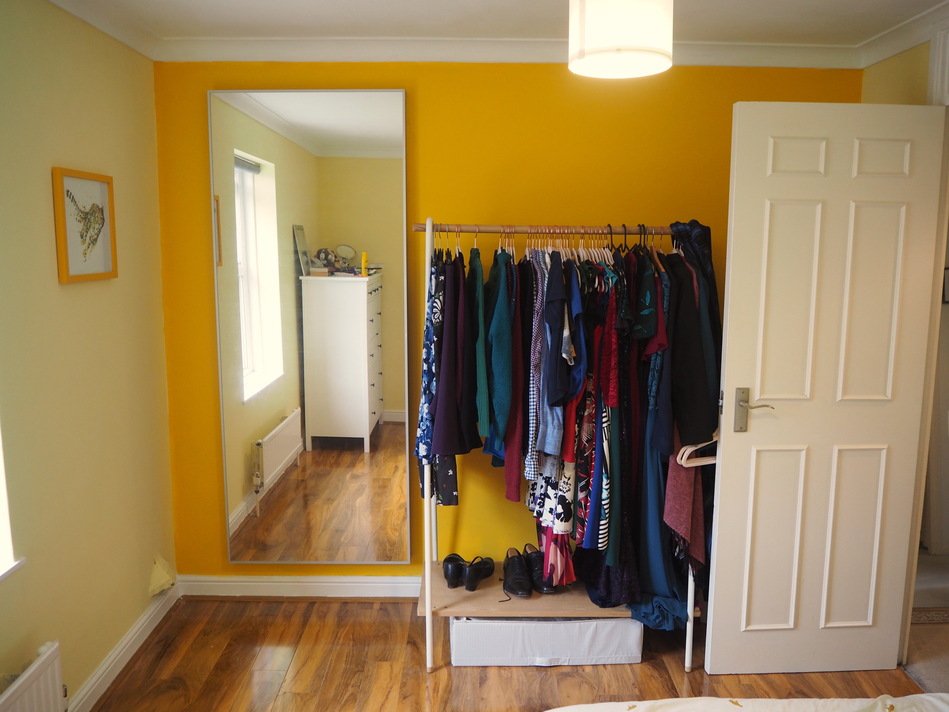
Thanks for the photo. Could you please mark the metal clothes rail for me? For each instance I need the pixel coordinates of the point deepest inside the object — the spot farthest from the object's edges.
(554, 230)
(429, 227)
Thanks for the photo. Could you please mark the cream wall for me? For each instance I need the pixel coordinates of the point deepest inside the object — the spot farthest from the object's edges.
(296, 185)
(900, 79)
(83, 392)
(361, 205)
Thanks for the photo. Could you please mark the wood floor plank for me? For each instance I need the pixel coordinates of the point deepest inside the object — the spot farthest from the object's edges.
(252, 655)
(380, 689)
(258, 692)
(235, 663)
(308, 667)
(297, 702)
(283, 636)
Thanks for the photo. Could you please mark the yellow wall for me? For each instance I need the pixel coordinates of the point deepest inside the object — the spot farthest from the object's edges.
(486, 143)
(900, 79)
(360, 205)
(296, 185)
(83, 395)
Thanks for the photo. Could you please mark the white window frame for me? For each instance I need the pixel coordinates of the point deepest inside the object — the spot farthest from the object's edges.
(255, 206)
(8, 564)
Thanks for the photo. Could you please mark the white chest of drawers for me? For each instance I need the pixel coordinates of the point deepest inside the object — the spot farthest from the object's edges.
(342, 356)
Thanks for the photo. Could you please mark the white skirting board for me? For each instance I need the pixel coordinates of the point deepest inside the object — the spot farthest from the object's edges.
(347, 587)
(93, 688)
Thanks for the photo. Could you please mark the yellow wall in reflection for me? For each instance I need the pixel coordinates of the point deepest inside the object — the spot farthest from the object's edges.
(486, 143)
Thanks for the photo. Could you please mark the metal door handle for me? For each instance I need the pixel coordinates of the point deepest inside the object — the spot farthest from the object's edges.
(742, 406)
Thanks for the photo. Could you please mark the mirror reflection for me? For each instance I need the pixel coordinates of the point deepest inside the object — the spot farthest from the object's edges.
(309, 224)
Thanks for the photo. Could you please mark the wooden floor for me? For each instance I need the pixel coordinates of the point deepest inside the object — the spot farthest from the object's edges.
(268, 655)
(339, 504)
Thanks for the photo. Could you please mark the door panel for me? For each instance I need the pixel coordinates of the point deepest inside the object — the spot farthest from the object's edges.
(833, 233)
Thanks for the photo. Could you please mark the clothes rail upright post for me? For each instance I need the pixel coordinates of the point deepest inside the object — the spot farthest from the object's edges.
(428, 498)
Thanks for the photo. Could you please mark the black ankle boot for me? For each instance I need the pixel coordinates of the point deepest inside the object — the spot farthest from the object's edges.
(479, 568)
(453, 567)
(517, 578)
(535, 564)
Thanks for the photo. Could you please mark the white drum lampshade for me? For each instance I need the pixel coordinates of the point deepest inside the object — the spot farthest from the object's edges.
(617, 39)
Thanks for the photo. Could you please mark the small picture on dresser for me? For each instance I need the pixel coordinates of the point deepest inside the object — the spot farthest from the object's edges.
(299, 246)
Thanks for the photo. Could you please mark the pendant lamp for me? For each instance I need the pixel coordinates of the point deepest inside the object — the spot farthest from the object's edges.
(619, 39)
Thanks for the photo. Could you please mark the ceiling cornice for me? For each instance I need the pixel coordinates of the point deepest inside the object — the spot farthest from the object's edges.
(386, 49)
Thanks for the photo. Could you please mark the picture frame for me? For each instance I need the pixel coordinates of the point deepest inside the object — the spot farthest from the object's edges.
(84, 217)
(299, 245)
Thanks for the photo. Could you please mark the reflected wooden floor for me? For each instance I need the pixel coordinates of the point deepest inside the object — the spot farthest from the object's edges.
(242, 655)
(338, 504)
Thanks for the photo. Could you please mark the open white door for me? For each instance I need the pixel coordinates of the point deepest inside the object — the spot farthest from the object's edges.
(834, 246)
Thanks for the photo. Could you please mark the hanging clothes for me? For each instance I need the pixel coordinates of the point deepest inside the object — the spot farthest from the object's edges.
(498, 354)
(585, 373)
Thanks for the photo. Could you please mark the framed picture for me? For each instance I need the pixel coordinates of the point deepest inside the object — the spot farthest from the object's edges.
(299, 244)
(84, 213)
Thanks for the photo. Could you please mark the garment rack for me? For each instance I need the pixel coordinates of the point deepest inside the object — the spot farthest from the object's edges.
(557, 230)
(430, 535)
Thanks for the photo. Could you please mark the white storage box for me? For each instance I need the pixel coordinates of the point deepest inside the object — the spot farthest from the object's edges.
(545, 641)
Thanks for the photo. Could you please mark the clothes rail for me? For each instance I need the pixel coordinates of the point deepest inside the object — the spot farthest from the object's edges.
(429, 524)
(630, 230)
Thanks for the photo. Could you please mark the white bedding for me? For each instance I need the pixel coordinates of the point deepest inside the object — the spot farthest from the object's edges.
(933, 702)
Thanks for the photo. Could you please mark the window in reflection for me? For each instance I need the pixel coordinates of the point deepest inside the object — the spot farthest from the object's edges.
(258, 275)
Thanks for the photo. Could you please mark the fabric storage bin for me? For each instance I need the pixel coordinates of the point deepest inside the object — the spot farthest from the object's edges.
(545, 642)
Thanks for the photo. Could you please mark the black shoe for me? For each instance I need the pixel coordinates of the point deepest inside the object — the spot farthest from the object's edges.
(535, 564)
(479, 568)
(517, 578)
(453, 567)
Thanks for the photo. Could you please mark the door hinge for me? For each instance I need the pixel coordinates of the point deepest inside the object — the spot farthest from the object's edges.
(721, 402)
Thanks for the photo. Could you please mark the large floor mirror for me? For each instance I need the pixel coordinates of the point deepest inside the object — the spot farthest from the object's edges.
(308, 213)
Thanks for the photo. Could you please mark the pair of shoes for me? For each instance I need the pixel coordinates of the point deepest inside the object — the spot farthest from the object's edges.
(535, 563)
(453, 567)
(524, 572)
(479, 568)
(458, 571)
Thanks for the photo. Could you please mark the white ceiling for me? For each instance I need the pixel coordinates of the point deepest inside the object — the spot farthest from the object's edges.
(819, 33)
(789, 33)
(354, 124)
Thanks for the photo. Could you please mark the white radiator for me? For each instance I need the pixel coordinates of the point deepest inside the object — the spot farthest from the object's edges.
(279, 449)
(40, 687)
